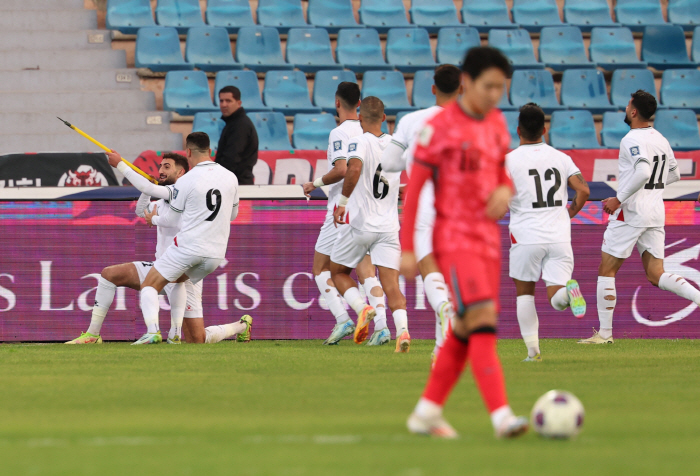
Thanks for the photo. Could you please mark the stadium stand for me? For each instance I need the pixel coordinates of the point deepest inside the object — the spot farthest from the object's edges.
(247, 83)
(128, 16)
(260, 49)
(390, 87)
(573, 130)
(408, 49)
(272, 130)
(685, 13)
(453, 43)
(535, 14)
(325, 86)
(505, 104)
(512, 121)
(486, 14)
(331, 14)
(211, 123)
(434, 14)
(422, 93)
(696, 45)
(626, 81)
(158, 49)
(287, 92)
(309, 49)
(187, 92)
(663, 47)
(360, 50)
(613, 48)
(561, 48)
(534, 85)
(281, 14)
(680, 89)
(679, 127)
(517, 46)
(180, 14)
(209, 49)
(383, 14)
(614, 129)
(311, 131)
(588, 14)
(635, 14)
(230, 14)
(585, 89)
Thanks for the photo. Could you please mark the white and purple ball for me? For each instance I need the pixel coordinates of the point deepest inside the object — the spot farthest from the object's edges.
(558, 414)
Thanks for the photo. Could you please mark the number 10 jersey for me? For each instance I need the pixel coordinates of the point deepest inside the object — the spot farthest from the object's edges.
(538, 213)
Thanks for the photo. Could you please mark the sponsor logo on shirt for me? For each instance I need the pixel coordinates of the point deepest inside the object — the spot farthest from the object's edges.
(352, 147)
(634, 150)
(425, 135)
(337, 145)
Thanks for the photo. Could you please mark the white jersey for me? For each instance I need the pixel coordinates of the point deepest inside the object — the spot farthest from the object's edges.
(538, 213)
(373, 205)
(165, 234)
(206, 196)
(645, 208)
(337, 150)
(405, 134)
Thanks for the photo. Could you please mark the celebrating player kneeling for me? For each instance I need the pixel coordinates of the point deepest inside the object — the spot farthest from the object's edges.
(540, 225)
(370, 224)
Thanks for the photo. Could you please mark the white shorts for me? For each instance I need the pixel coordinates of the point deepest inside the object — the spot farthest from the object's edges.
(174, 263)
(619, 240)
(327, 237)
(194, 291)
(553, 261)
(352, 245)
(425, 222)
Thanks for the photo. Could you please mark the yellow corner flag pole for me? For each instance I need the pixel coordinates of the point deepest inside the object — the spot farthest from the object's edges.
(107, 149)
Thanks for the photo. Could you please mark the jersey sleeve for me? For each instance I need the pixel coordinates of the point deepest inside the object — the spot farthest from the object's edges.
(339, 144)
(674, 175)
(142, 204)
(357, 149)
(427, 147)
(571, 168)
(400, 135)
(178, 195)
(633, 151)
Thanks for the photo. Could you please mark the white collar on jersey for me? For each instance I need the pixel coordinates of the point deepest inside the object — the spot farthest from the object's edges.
(535, 144)
(206, 162)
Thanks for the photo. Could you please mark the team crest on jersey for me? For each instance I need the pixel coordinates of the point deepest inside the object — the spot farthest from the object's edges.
(337, 145)
(425, 135)
(634, 150)
(352, 147)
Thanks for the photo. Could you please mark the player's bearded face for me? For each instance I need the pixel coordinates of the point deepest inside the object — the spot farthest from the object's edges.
(627, 119)
(485, 92)
(167, 173)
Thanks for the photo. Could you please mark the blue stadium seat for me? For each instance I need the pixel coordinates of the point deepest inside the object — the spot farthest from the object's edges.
(585, 89)
(408, 49)
(573, 130)
(486, 14)
(434, 14)
(388, 86)
(561, 48)
(517, 46)
(231, 14)
(613, 48)
(211, 123)
(454, 42)
(187, 92)
(385, 126)
(636, 14)
(399, 116)
(260, 49)
(696, 45)
(309, 49)
(534, 14)
(505, 104)
(626, 81)
(512, 121)
(680, 89)
(311, 131)
(331, 14)
(534, 85)
(128, 16)
(325, 86)
(422, 94)
(587, 14)
(247, 83)
(614, 129)
(685, 13)
(679, 127)
(209, 49)
(281, 14)
(360, 50)
(287, 92)
(663, 47)
(272, 130)
(180, 14)
(383, 14)
(158, 48)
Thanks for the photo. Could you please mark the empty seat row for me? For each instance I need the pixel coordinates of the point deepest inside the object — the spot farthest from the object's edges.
(128, 16)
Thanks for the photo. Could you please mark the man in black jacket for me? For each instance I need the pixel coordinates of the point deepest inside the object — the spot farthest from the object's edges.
(238, 145)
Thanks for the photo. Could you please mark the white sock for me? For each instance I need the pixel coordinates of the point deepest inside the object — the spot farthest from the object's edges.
(150, 308)
(427, 409)
(378, 303)
(400, 321)
(178, 303)
(218, 333)
(332, 297)
(499, 415)
(560, 300)
(606, 287)
(103, 300)
(435, 290)
(529, 324)
(678, 285)
(354, 299)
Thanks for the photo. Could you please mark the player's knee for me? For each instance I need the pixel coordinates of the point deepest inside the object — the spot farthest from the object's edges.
(108, 273)
(377, 291)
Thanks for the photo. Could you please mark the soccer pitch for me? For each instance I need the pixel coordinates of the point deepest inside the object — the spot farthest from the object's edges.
(300, 408)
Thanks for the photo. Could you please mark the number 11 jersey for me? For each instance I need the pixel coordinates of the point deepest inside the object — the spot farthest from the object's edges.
(538, 213)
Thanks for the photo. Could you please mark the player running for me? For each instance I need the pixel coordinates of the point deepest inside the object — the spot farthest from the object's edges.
(372, 218)
(540, 225)
(347, 100)
(463, 148)
(207, 200)
(647, 165)
(398, 156)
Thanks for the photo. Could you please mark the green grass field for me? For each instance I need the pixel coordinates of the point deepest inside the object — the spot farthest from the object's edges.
(299, 408)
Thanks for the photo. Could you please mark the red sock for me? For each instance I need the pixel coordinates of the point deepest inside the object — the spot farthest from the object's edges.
(487, 370)
(448, 367)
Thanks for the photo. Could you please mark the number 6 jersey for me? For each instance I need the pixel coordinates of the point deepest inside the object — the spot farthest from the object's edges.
(206, 197)
(538, 213)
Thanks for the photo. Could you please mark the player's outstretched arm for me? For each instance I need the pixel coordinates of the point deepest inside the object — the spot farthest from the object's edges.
(141, 183)
(392, 158)
(641, 175)
(674, 175)
(581, 193)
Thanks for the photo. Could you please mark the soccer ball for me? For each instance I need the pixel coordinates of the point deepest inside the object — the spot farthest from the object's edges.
(558, 414)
